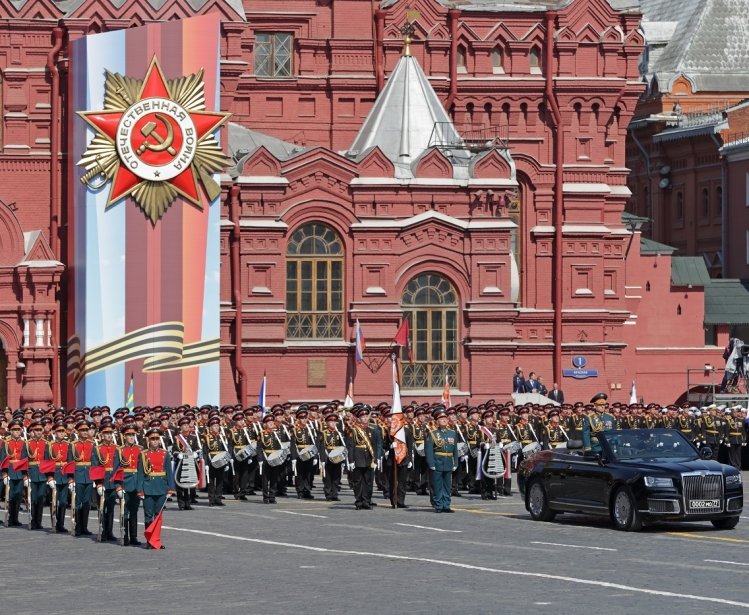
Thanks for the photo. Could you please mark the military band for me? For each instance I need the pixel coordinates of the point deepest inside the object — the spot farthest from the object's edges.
(88, 460)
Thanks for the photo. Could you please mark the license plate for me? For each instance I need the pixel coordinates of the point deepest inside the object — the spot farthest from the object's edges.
(698, 504)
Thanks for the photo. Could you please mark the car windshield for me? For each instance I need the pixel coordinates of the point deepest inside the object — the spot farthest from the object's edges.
(649, 445)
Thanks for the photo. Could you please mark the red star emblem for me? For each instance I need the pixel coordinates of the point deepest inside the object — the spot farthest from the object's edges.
(157, 139)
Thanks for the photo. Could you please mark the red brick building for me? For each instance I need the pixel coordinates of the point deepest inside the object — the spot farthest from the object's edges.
(476, 186)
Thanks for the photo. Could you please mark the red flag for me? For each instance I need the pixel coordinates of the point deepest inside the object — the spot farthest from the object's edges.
(69, 468)
(403, 338)
(153, 531)
(119, 475)
(20, 466)
(47, 466)
(97, 472)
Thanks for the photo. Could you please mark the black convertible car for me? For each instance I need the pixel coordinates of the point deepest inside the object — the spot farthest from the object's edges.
(639, 476)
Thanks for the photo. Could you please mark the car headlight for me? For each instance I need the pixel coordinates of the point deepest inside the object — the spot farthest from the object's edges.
(657, 481)
(733, 479)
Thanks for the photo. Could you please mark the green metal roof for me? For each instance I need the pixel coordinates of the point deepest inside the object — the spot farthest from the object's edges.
(689, 271)
(648, 246)
(727, 302)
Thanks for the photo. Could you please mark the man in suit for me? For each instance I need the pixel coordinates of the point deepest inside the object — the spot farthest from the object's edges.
(532, 385)
(518, 381)
(556, 394)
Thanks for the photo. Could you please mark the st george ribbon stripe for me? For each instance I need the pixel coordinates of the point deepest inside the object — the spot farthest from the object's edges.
(161, 346)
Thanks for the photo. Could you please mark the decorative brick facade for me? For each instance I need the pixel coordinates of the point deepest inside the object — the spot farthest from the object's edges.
(490, 71)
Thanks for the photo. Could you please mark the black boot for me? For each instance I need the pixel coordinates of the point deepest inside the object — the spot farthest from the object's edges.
(126, 531)
(133, 527)
(83, 519)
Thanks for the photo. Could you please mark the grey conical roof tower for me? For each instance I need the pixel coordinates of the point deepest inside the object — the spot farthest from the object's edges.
(404, 115)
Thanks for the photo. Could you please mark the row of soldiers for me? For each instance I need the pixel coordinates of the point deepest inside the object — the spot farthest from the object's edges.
(245, 449)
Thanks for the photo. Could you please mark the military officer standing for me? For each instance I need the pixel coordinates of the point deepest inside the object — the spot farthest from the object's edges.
(14, 464)
(215, 446)
(442, 459)
(129, 461)
(36, 450)
(58, 452)
(270, 444)
(155, 477)
(106, 455)
(80, 453)
(595, 422)
(735, 436)
(364, 451)
(303, 465)
(186, 450)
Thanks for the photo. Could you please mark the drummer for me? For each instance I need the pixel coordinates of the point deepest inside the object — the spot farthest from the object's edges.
(333, 451)
(270, 447)
(217, 458)
(304, 457)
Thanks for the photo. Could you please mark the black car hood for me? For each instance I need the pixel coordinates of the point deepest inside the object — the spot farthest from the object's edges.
(672, 466)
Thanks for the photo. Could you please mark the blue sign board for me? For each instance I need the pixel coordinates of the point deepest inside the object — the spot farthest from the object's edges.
(580, 374)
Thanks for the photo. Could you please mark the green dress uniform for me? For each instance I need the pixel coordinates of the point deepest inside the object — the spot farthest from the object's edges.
(36, 450)
(594, 423)
(80, 452)
(129, 461)
(155, 481)
(12, 454)
(442, 458)
(107, 456)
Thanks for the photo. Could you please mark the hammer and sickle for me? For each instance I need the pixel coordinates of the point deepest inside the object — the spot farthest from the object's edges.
(162, 143)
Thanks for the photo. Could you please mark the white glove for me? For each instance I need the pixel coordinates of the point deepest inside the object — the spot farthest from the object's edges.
(25, 482)
(71, 486)
(5, 481)
(100, 490)
(350, 467)
(52, 484)
(728, 445)
(394, 445)
(196, 454)
(142, 497)
(180, 455)
(120, 494)
(464, 458)
(432, 468)
(455, 468)
(293, 465)
(314, 461)
(410, 465)
(486, 446)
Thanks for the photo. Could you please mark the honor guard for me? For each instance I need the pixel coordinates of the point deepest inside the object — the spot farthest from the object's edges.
(80, 453)
(15, 474)
(36, 451)
(106, 457)
(241, 444)
(735, 436)
(129, 461)
(489, 437)
(473, 437)
(155, 477)
(58, 453)
(442, 460)
(419, 473)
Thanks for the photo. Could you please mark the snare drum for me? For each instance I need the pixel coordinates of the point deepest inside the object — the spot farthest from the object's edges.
(276, 458)
(531, 449)
(241, 454)
(307, 453)
(337, 454)
(220, 460)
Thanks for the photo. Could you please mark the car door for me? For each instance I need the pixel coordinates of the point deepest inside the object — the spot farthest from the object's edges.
(586, 484)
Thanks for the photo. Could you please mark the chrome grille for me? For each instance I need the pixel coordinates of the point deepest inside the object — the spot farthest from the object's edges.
(663, 506)
(700, 487)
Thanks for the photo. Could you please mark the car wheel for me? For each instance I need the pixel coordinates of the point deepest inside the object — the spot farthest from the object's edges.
(624, 511)
(538, 504)
(727, 523)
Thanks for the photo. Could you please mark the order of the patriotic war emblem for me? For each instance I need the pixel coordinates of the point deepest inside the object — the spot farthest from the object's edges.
(154, 141)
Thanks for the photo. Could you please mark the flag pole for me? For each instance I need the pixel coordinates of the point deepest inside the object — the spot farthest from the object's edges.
(394, 490)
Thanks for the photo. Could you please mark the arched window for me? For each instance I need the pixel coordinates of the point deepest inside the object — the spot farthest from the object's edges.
(535, 59)
(314, 283)
(461, 59)
(498, 61)
(431, 305)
